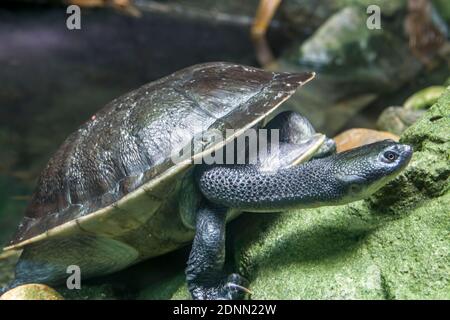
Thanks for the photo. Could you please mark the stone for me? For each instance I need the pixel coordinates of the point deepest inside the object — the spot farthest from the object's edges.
(32, 292)
(357, 137)
(303, 16)
(397, 119)
(424, 99)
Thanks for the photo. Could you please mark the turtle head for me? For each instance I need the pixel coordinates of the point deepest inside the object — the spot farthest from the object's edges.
(363, 170)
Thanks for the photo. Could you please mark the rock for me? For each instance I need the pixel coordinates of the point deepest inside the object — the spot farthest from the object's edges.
(306, 15)
(424, 99)
(31, 292)
(345, 42)
(354, 66)
(397, 119)
(353, 138)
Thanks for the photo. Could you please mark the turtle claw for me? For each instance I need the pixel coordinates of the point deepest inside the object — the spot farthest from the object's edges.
(236, 287)
(232, 287)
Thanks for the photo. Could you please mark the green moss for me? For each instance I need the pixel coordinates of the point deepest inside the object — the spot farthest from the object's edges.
(413, 252)
(171, 288)
(90, 292)
(425, 98)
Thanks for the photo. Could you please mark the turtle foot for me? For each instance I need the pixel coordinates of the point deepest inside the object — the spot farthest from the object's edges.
(232, 287)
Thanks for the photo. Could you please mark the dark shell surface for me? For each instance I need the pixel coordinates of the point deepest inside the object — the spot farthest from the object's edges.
(130, 141)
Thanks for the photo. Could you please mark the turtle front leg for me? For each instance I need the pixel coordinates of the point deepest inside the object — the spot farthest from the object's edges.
(295, 128)
(204, 273)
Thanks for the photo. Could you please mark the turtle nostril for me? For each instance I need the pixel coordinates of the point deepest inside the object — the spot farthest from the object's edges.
(406, 150)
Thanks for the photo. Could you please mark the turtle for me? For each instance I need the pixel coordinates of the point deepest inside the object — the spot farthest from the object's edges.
(121, 189)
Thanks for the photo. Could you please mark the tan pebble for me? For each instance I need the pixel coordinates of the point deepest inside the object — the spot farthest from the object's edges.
(32, 292)
(353, 138)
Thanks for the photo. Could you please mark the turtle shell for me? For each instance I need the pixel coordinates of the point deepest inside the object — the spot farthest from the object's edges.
(114, 173)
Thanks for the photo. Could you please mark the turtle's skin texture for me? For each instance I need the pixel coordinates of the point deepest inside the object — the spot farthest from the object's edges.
(112, 195)
(332, 179)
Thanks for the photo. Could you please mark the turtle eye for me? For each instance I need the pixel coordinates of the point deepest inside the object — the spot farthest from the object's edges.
(390, 156)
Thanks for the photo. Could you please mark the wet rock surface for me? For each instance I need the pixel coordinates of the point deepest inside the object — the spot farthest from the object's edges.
(32, 292)
(398, 119)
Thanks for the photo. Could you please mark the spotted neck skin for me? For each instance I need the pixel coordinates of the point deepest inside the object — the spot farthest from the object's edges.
(337, 179)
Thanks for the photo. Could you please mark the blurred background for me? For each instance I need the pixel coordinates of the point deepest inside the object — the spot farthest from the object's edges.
(52, 79)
